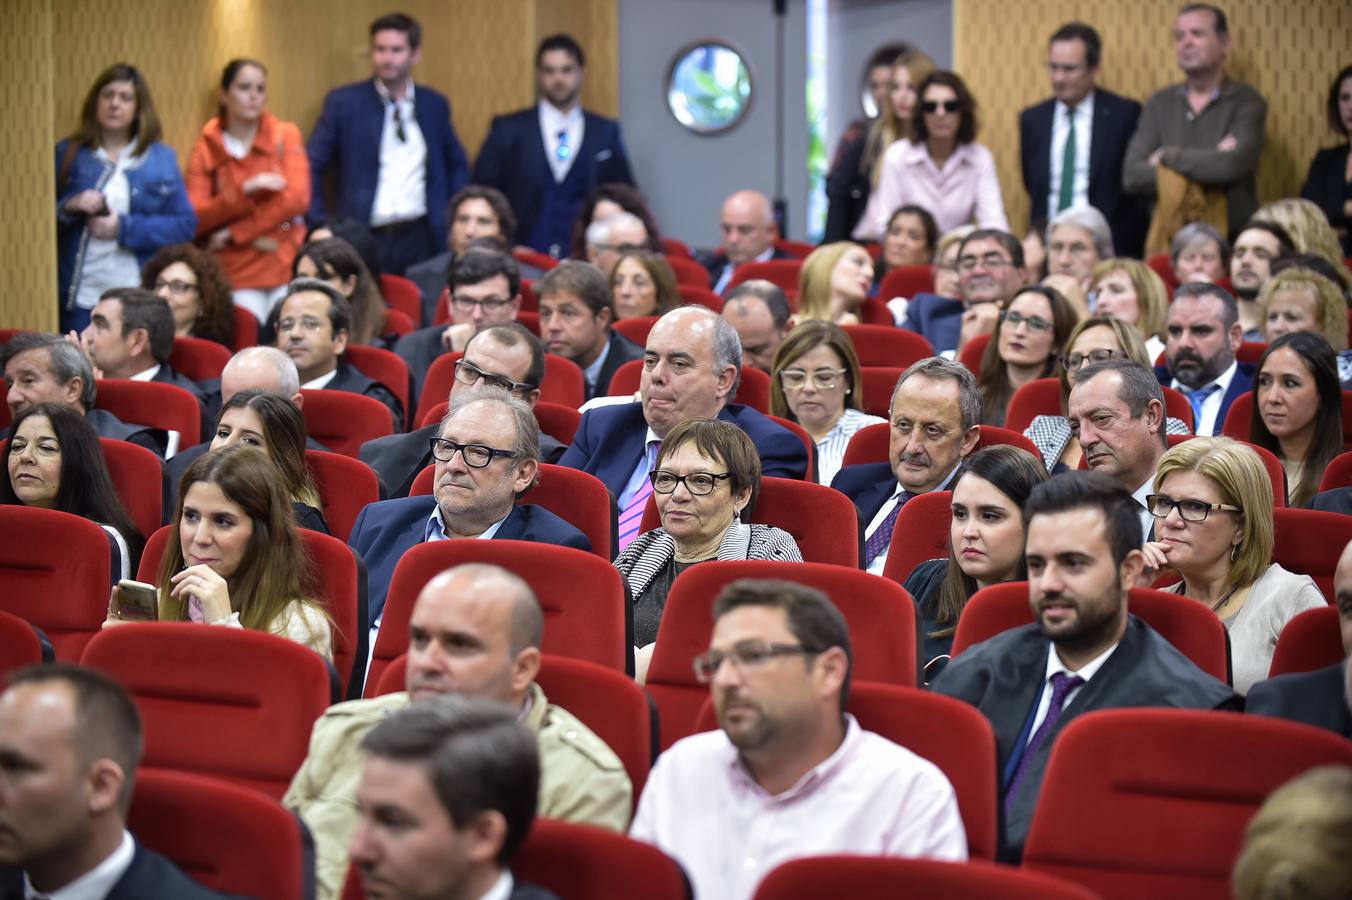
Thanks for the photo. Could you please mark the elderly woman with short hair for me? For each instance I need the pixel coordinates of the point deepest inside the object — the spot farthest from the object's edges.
(1078, 239)
(1199, 253)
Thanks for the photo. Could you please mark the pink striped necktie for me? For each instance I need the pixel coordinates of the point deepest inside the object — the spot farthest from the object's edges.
(632, 516)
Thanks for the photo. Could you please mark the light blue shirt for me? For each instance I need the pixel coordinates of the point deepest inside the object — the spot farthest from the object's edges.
(436, 527)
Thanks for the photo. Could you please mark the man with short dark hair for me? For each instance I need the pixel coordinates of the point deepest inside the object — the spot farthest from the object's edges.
(477, 213)
(990, 273)
(475, 631)
(788, 755)
(313, 321)
(1083, 651)
(1202, 337)
(1209, 129)
(575, 322)
(1072, 145)
(760, 312)
(747, 225)
(549, 157)
(1256, 248)
(70, 742)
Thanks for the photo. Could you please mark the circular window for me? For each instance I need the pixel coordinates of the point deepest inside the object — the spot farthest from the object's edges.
(708, 87)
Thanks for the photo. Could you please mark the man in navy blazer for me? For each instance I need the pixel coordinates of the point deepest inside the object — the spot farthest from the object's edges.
(547, 158)
(990, 273)
(691, 368)
(1103, 122)
(487, 455)
(1204, 334)
(398, 157)
(747, 225)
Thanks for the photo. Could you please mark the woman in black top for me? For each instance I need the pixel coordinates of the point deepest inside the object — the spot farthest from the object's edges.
(1329, 182)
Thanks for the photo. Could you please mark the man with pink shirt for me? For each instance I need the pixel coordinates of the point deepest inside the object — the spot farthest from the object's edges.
(789, 774)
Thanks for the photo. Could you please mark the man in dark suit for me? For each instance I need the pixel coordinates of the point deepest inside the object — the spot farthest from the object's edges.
(747, 224)
(1204, 334)
(575, 319)
(1338, 500)
(507, 356)
(70, 739)
(1323, 697)
(549, 157)
(396, 151)
(691, 369)
(477, 213)
(475, 495)
(935, 416)
(1083, 652)
(314, 319)
(1087, 127)
(990, 273)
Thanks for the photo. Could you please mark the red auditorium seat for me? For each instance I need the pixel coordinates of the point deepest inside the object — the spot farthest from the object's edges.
(223, 836)
(345, 486)
(920, 533)
(1308, 541)
(804, 438)
(970, 355)
(45, 554)
(754, 391)
(1164, 268)
(21, 644)
(396, 323)
(700, 295)
(636, 328)
(1309, 640)
(877, 384)
(885, 345)
(907, 281)
(246, 328)
(881, 617)
(879, 876)
(1192, 628)
(577, 497)
(1177, 786)
(227, 702)
(138, 477)
(688, 271)
(781, 272)
(1240, 415)
(1251, 351)
(385, 367)
(869, 444)
(564, 383)
(611, 704)
(164, 406)
(558, 421)
(402, 294)
(1338, 474)
(343, 421)
(198, 358)
(674, 247)
(583, 597)
(538, 260)
(795, 249)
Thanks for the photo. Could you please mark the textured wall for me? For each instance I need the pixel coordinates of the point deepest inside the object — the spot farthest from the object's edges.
(1288, 51)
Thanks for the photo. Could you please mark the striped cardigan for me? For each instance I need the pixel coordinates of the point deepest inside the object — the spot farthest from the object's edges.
(649, 552)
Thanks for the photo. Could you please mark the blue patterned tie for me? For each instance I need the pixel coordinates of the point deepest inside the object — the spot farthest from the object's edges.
(1062, 684)
(1197, 398)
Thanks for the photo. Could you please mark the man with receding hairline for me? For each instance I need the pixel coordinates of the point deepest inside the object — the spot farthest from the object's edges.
(747, 226)
(760, 312)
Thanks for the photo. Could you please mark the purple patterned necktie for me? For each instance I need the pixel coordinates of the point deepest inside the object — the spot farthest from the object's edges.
(882, 535)
(1062, 684)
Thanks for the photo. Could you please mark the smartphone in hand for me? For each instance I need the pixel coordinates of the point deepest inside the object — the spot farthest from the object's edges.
(134, 601)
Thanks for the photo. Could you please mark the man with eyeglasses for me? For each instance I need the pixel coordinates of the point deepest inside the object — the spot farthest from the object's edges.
(789, 773)
(313, 321)
(1082, 652)
(990, 273)
(507, 356)
(1072, 145)
(575, 319)
(487, 453)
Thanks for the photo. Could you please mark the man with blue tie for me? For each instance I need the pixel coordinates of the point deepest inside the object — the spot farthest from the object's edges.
(549, 157)
(398, 157)
(1203, 335)
(936, 408)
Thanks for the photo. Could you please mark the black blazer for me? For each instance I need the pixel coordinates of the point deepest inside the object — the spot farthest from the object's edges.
(1316, 698)
(1114, 122)
(622, 350)
(149, 876)
(110, 426)
(1338, 500)
(1242, 383)
(1326, 184)
(868, 486)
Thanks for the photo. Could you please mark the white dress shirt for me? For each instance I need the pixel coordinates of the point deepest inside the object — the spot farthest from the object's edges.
(321, 382)
(107, 264)
(146, 374)
(98, 881)
(1209, 425)
(502, 888)
(1054, 665)
(401, 185)
(1084, 127)
(554, 122)
(1139, 495)
(702, 807)
(831, 449)
(879, 561)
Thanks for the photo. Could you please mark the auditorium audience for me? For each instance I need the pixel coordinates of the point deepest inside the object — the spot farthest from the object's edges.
(604, 202)
(1256, 248)
(990, 273)
(248, 180)
(197, 290)
(1299, 299)
(985, 541)
(1309, 229)
(609, 237)
(337, 263)
(54, 461)
(815, 382)
(1299, 843)
(760, 312)
(119, 194)
(747, 225)
(1078, 239)
(1030, 335)
(1328, 183)
(356, 234)
(575, 320)
(1213, 506)
(1204, 335)
(1131, 291)
(787, 752)
(476, 213)
(1298, 410)
(238, 561)
(642, 284)
(834, 282)
(1197, 252)
(475, 631)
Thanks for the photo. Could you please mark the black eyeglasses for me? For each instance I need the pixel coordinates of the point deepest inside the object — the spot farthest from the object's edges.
(933, 106)
(490, 305)
(468, 373)
(476, 456)
(1160, 505)
(1034, 323)
(1072, 361)
(745, 655)
(697, 483)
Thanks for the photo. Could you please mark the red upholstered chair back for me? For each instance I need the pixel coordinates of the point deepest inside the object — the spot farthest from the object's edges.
(877, 384)
(138, 477)
(396, 323)
(1164, 268)
(754, 391)
(246, 329)
(700, 295)
(805, 439)
(571, 860)
(1251, 351)
(881, 617)
(875, 312)
(47, 555)
(781, 272)
(345, 486)
(343, 421)
(1338, 474)
(886, 345)
(637, 328)
(921, 533)
(228, 702)
(383, 366)
(225, 837)
(1176, 406)
(971, 354)
(878, 876)
(1178, 789)
(688, 271)
(795, 249)
(151, 403)
(1309, 541)
(583, 597)
(558, 421)
(1309, 640)
(402, 294)
(20, 644)
(534, 258)
(907, 281)
(198, 358)
(1039, 397)
(675, 247)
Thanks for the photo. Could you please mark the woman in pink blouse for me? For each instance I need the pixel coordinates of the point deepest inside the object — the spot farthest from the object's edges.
(941, 167)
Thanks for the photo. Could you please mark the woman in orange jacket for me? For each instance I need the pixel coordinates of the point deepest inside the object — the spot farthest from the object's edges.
(249, 182)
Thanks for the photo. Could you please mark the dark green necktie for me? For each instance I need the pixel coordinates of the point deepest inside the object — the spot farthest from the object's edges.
(1067, 196)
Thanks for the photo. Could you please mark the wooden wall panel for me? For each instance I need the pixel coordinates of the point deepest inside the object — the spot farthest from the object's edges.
(1288, 51)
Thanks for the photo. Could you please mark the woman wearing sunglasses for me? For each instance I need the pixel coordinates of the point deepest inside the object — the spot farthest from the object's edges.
(1213, 526)
(941, 167)
(1029, 337)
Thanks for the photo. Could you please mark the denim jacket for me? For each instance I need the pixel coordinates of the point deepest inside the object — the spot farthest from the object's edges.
(160, 213)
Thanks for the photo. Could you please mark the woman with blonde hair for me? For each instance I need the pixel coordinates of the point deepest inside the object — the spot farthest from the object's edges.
(1213, 526)
(1300, 299)
(1298, 846)
(834, 283)
(1129, 290)
(1309, 229)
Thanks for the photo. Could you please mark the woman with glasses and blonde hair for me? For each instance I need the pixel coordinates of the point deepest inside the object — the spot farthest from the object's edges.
(834, 283)
(1213, 526)
(814, 381)
(1029, 336)
(1093, 340)
(1129, 290)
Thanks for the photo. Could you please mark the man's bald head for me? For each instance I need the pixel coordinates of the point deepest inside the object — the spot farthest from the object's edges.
(261, 369)
(748, 226)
